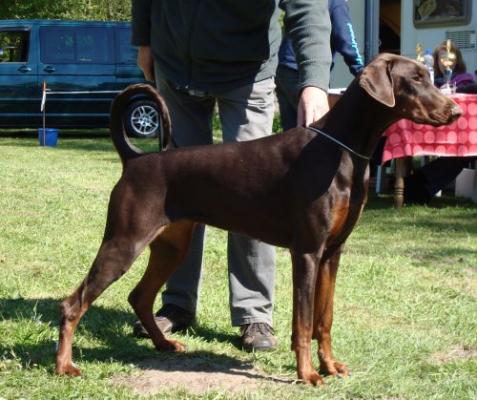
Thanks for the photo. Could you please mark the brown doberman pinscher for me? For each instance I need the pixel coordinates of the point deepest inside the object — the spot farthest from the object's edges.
(303, 190)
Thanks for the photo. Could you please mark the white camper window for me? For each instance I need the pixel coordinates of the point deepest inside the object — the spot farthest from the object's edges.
(441, 12)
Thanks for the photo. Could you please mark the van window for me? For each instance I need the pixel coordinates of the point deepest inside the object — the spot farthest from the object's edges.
(14, 46)
(127, 52)
(59, 45)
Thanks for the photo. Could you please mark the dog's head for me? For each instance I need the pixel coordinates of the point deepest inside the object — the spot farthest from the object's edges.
(405, 85)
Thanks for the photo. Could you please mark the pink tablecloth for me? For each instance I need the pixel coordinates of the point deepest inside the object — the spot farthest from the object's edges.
(405, 138)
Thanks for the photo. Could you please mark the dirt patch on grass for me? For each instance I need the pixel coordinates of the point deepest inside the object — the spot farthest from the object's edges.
(196, 375)
(454, 354)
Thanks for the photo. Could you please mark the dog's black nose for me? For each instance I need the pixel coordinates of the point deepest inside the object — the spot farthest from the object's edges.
(456, 111)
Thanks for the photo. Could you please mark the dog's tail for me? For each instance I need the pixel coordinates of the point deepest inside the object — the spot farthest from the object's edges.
(124, 147)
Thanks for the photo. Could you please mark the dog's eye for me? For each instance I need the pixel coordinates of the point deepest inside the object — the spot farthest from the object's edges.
(417, 78)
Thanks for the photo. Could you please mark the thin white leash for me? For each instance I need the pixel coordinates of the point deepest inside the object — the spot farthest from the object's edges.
(316, 130)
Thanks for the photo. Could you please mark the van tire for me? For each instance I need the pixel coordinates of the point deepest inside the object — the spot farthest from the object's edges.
(142, 119)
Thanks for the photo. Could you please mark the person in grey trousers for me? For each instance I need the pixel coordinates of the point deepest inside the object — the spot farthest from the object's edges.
(209, 53)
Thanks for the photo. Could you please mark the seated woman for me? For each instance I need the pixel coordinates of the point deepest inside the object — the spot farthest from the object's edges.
(460, 77)
(425, 182)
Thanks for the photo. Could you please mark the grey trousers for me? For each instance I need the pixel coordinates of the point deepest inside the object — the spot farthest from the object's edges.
(245, 113)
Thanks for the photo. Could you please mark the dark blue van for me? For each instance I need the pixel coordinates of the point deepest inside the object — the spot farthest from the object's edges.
(84, 64)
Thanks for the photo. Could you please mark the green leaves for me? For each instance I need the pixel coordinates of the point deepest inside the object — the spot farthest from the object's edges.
(66, 9)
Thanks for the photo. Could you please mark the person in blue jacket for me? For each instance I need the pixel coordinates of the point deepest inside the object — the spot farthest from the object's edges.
(342, 40)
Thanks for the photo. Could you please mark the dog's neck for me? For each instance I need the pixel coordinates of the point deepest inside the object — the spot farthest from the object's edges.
(357, 120)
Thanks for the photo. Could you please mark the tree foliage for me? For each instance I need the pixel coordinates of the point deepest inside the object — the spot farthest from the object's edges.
(66, 9)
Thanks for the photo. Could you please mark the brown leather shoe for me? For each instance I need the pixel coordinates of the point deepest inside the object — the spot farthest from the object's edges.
(169, 319)
(258, 337)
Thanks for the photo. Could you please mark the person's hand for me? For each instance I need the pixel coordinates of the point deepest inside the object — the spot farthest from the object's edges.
(146, 62)
(312, 106)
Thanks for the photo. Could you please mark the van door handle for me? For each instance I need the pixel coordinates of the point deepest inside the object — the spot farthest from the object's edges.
(49, 68)
(24, 68)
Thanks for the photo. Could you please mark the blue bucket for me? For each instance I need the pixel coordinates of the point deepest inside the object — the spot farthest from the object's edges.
(49, 137)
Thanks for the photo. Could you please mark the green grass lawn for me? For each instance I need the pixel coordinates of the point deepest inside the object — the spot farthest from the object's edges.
(405, 307)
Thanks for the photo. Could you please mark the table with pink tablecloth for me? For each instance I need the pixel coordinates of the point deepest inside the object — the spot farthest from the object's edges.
(408, 139)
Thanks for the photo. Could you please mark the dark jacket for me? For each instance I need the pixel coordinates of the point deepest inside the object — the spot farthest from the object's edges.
(342, 40)
(222, 44)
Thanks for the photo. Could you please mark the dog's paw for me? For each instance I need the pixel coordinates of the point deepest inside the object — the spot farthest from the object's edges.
(342, 369)
(67, 369)
(178, 346)
(171, 345)
(334, 368)
(312, 378)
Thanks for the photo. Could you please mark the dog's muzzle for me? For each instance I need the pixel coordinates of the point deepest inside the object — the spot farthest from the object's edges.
(456, 111)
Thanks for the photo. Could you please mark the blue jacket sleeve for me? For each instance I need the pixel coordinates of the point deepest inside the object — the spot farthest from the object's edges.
(343, 39)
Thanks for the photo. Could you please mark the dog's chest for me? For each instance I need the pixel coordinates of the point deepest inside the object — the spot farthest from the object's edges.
(343, 218)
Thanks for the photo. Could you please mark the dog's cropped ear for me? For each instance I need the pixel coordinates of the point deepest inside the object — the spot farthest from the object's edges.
(377, 81)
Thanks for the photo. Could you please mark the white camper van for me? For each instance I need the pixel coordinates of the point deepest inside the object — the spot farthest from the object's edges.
(397, 26)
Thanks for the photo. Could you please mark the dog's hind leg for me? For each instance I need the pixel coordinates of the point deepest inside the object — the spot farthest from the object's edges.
(168, 251)
(323, 313)
(114, 258)
(304, 278)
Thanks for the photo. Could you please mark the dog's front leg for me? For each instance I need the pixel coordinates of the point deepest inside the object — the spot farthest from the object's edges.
(323, 318)
(304, 280)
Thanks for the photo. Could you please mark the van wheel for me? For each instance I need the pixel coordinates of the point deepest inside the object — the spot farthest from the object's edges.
(142, 119)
